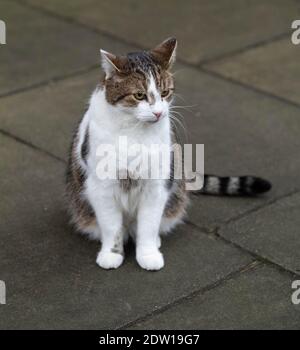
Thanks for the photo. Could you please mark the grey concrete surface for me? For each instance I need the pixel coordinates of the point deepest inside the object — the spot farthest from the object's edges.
(231, 265)
(257, 299)
(273, 68)
(42, 48)
(50, 121)
(271, 232)
(198, 25)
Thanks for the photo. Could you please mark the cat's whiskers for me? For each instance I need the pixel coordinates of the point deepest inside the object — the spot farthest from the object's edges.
(177, 71)
(176, 95)
(186, 108)
(178, 115)
(176, 122)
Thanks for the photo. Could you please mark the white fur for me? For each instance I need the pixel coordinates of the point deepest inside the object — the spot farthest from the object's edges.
(233, 186)
(143, 205)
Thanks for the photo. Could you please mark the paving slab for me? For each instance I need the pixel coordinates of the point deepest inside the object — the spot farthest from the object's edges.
(40, 47)
(273, 68)
(50, 121)
(243, 132)
(256, 299)
(204, 28)
(272, 232)
(266, 144)
(50, 272)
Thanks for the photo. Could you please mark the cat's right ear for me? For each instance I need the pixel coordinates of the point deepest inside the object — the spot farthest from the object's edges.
(165, 53)
(111, 63)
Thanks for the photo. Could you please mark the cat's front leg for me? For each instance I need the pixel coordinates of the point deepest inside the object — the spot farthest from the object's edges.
(150, 212)
(110, 221)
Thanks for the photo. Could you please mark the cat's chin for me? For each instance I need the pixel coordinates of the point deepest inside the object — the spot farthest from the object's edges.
(151, 121)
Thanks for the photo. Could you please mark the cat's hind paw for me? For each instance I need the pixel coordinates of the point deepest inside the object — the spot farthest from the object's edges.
(152, 261)
(108, 260)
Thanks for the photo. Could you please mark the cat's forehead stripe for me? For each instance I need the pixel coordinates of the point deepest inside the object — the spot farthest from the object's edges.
(152, 88)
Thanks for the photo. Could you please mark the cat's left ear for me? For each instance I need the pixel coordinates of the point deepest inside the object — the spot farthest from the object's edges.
(165, 53)
(112, 63)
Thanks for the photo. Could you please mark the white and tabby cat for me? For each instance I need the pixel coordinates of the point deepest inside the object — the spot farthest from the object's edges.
(133, 101)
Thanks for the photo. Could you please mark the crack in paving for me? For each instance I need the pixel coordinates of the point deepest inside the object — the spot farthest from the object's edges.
(217, 235)
(53, 80)
(75, 22)
(31, 145)
(257, 44)
(248, 87)
(214, 227)
(260, 258)
(250, 266)
(259, 207)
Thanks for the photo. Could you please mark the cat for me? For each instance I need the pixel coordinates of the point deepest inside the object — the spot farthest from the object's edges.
(134, 100)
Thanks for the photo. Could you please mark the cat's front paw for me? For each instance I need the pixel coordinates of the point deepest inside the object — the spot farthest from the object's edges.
(108, 260)
(152, 261)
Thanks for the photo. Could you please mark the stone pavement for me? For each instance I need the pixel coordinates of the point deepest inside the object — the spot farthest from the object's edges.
(232, 264)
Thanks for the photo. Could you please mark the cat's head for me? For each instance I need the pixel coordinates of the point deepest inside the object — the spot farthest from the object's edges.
(140, 83)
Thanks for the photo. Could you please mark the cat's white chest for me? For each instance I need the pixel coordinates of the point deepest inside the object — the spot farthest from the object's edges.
(139, 152)
(135, 149)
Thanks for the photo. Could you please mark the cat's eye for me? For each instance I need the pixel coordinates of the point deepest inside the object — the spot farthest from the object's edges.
(165, 93)
(139, 96)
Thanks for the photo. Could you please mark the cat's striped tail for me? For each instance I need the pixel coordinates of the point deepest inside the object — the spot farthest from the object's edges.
(234, 185)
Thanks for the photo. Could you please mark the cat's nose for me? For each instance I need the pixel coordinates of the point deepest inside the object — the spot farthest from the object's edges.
(157, 115)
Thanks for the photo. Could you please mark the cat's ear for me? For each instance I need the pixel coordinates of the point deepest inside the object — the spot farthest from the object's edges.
(165, 53)
(111, 63)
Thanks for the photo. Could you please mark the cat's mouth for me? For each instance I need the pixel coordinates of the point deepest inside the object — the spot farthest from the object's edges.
(154, 120)
(151, 119)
